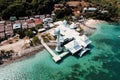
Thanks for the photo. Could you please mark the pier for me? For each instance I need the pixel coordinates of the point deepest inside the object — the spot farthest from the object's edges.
(56, 57)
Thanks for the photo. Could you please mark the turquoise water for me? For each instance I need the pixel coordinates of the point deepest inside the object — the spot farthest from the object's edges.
(101, 63)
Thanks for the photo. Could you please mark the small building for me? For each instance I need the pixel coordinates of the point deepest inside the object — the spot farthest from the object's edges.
(2, 35)
(58, 7)
(16, 26)
(75, 5)
(2, 22)
(31, 25)
(103, 11)
(37, 21)
(46, 27)
(13, 18)
(89, 9)
(48, 20)
(42, 16)
(37, 16)
(73, 26)
(51, 25)
(24, 25)
(2, 26)
(26, 18)
(8, 27)
(41, 30)
(21, 18)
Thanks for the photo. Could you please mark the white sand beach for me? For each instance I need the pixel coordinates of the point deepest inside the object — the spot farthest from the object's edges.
(89, 26)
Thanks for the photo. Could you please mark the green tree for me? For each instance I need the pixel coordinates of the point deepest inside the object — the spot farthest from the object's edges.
(36, 40)
(13, 10)
(29, 33)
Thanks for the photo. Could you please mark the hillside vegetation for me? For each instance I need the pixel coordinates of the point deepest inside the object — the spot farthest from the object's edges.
(24, 7)
(113, 6)
(21, 8)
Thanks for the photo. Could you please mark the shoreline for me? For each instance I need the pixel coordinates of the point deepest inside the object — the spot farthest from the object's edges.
(89, 26)
(33, 50)
(27, 54)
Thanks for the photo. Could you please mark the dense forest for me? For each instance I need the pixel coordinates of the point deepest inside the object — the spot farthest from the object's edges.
(24, 7)
(113, 6)
(21, 8)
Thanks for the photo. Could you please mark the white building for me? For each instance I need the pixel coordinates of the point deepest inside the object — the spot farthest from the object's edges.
(16, 26)
(79, 41)
(73, 47)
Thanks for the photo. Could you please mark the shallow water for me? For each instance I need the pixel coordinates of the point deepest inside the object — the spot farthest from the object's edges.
(101, 63)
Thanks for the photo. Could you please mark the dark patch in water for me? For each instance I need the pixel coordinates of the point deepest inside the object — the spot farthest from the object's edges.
(76, 73)
(91, 46)
(115, 44)
(98, 76)
(102, 57)
(59, 75)
(113, 67)
(117, 55)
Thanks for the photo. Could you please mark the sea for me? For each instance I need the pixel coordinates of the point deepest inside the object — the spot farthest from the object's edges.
(102, 62)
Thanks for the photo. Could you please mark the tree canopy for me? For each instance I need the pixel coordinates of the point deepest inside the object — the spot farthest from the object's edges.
(20, 8)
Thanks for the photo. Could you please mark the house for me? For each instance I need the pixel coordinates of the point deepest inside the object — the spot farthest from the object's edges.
(42, 16)
(48, 20)
(37, 16)
(9, 30)
(103, 11)
(89, 9)
(13, 18)
(58, 7)
(16, 26)
(37, 21)
(77, 6)
(2, 35)
(2, 29)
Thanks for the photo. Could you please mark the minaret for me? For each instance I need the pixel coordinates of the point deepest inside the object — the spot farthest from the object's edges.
(58, 47)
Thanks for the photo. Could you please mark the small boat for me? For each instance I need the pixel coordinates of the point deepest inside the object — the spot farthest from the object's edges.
(84, 51)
